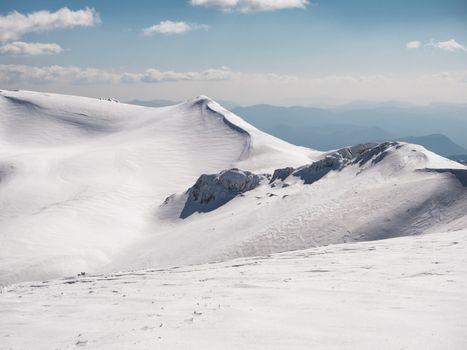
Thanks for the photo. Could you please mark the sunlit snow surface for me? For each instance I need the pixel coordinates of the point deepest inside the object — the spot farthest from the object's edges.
(402, 293)
(98, 186)
(83, 184)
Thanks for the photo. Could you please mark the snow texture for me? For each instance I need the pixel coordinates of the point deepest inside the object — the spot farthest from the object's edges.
(403, 293)
(280, 247)
(82, 181)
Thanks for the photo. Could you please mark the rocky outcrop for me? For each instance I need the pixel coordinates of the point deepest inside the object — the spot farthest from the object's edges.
(375, 153)
(336, 160)
(281, 174)
(211, 191)
(315, 171)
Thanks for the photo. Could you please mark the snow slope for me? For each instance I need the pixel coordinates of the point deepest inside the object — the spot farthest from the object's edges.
(393, 197)
(81, 178)
(84, 182)
(403, 293)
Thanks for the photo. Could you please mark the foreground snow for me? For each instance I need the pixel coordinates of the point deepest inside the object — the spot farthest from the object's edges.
(402, 293)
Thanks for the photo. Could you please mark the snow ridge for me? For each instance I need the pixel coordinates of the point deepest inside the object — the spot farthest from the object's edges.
(206, 103)
(87, 177)
(213, 191)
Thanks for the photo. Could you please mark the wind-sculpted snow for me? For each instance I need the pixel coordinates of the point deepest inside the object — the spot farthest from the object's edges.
(212, 191)
(82, 181)
(404, 293)
(86, 175)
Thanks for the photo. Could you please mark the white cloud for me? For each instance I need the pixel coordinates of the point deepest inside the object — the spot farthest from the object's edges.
(449, 45)
(13, 74)
(243, 87)
(415, 44)
(15, 24)
(19, 48)
(21, 74)
(169, 27)
(155, 75)
(247, 6)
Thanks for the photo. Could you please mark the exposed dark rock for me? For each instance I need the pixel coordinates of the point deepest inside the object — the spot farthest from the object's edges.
(212, 191)
(378, 152)
(336, 160)
(315, 171)
(281, 174)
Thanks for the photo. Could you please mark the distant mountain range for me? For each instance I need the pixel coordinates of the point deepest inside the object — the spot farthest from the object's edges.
(440, 128)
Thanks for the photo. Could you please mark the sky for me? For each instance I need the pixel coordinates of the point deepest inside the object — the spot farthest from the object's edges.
(285, 52)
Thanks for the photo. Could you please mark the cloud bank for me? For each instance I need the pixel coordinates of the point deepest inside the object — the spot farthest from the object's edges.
(22, 74)
(242, 87)
(248, 6)
(14, 25)
(19, 48)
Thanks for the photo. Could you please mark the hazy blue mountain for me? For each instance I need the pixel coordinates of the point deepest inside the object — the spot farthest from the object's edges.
(462, 158)
(438, 143)
(441, 128)
(311, 127)
(152, 103)
(326, 128)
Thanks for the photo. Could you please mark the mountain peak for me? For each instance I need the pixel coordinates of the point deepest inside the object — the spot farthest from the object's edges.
(201, 99)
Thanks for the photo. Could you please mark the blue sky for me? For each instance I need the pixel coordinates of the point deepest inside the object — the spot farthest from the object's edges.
(329, 51)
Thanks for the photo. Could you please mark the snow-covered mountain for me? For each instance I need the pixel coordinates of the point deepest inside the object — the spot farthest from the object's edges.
(99, 186)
